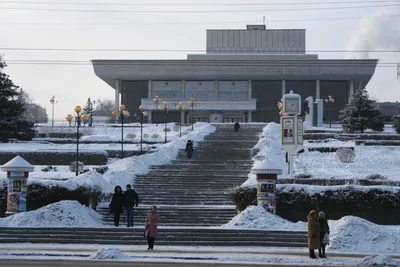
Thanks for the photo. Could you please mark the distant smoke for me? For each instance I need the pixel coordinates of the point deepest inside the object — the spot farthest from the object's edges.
(374, 34)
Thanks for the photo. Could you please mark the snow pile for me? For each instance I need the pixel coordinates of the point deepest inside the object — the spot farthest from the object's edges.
(358, 235)
(270, 147)
(109, 254)
(349, 234)
(61, 214)
(96, 138)
(255, 217)
(379, 260)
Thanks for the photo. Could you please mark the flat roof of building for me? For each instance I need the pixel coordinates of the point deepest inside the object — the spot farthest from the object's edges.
(359, 70)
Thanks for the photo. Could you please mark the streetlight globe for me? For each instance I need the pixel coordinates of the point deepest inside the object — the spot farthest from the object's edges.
(114, 113)
(85, 117)
(141, 107)
(326, 100)
(185, 107)
(145, 114)
(122, 107)
(165, 103)
(167, 108)
(69, 117)
(333, 100)
(77, 109)
(126, 113)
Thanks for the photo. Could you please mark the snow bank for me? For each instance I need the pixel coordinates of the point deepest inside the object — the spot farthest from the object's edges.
(61, 214)
(96, 138)
(109, 254)
(349, 234)
(358, 235)
(270, 147)
(255, 217)
(379, 260)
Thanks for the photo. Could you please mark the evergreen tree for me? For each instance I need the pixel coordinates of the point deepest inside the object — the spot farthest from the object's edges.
(12, 123)
(360, 113)
(89, 109)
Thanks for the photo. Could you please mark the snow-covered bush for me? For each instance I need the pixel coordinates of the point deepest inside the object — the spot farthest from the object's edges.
(130, 136)
(101, 169)
(146, 135)
(155, 136)
(49, 169)
(375, 177)
(345, 155)
(72, 166)
(167, 130)
(243, 197)
(176, 128)
(378, 125)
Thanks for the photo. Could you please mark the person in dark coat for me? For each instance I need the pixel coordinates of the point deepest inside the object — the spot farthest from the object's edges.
(131, 199)
(117, 201)
(236, 127)
(313, 233)
(189, 149)
(152, 221)
(324, 229)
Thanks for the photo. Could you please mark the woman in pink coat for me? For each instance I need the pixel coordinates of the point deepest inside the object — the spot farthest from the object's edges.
(152, 221)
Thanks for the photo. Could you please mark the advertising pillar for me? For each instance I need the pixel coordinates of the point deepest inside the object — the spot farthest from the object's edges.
(17, 184)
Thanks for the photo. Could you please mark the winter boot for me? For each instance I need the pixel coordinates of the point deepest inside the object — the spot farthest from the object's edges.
(320, 253)
(312, 254)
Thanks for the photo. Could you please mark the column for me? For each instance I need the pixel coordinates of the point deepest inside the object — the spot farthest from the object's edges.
(117, 92)
(183, 94)
(149, 117)
(149, 90)
(216, 88)
(249, 90)
(182, 117)
(351, 89)
(283, 87)
(249, 116)
(318, 90)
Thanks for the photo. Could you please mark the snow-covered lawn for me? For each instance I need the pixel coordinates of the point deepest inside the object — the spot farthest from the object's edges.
(349, 234)
(369, 160)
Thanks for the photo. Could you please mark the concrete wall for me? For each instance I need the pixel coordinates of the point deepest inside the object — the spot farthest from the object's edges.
(256, 41)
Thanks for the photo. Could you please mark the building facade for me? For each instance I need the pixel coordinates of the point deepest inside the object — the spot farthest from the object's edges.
(241, 77)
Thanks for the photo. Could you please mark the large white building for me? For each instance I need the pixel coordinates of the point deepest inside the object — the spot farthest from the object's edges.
(242, 76)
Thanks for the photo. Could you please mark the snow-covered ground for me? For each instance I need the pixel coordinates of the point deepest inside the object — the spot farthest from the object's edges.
(369, 160)
(349, 234)
(121, 172)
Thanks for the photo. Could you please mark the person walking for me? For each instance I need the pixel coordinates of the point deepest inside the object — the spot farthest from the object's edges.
(131, 199)
(324, 233)
(313, 233)
(236, 127)
(117, 201)
(189, 149)
(152, 221)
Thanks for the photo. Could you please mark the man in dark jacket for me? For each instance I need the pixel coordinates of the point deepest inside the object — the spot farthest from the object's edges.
(131, 199)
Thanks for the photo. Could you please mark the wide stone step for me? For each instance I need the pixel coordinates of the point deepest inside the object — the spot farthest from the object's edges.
(200, 167)
(212, 162)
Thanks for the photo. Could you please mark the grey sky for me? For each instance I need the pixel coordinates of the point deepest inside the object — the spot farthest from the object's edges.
(73, 84)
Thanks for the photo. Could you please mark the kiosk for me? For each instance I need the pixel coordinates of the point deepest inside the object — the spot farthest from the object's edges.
(18, 171)
(267, 174)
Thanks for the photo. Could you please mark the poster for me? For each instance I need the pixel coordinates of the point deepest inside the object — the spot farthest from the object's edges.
(300, 131)
(266, 195)
(287, 130)
(16, 195)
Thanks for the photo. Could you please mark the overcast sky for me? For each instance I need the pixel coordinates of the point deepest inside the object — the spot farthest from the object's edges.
(23, 27)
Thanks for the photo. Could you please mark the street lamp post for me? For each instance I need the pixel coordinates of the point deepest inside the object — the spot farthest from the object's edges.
(192, 102)
(123, 113)
(157, 101)
(330, 100)
(53, 102)
(143, 114)
(166, 109)
(78, 119)
(179, 106)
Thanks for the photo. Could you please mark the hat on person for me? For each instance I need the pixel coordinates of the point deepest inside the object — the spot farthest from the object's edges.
(128, 186)
(313, 212)
(321, 214)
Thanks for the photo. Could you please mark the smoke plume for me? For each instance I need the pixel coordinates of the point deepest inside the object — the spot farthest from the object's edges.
(374, 34)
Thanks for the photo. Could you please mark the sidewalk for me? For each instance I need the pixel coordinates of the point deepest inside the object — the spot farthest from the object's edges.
(196, 255)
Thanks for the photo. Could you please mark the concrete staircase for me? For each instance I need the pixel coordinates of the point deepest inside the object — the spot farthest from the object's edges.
(194, 192)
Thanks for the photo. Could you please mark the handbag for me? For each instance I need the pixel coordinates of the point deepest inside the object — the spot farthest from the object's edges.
(326, 239)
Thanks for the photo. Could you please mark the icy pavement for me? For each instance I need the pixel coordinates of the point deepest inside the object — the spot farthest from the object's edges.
(226, 255)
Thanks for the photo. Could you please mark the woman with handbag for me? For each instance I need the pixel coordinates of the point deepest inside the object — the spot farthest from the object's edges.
(313, 233)
(324, 233)
(152, 221)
